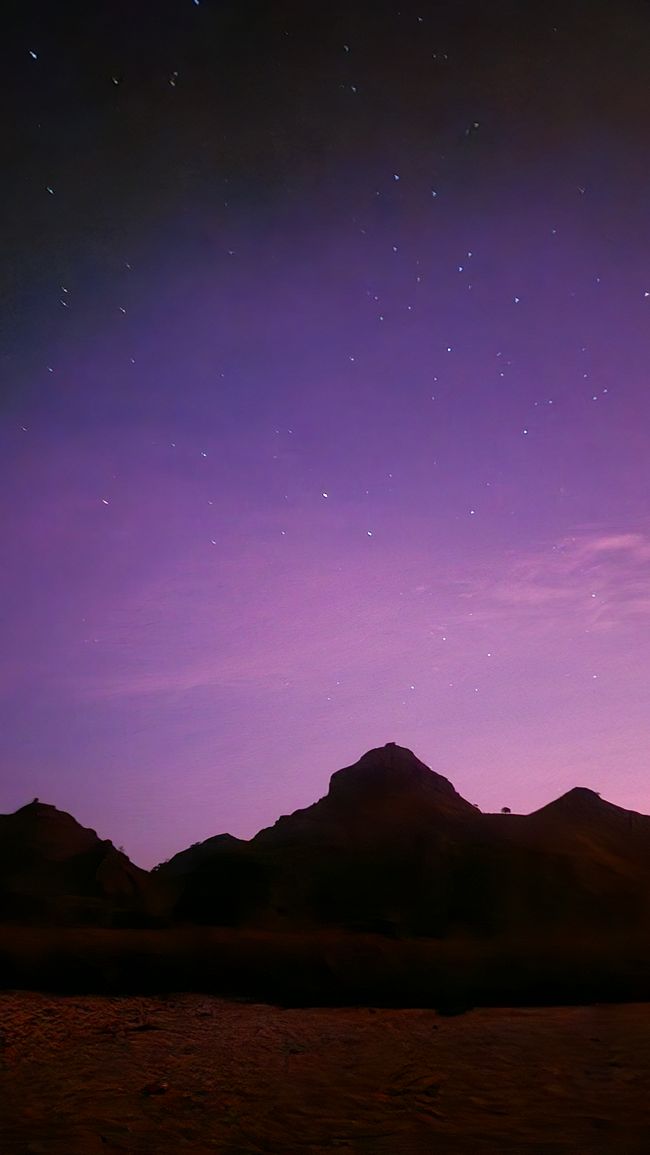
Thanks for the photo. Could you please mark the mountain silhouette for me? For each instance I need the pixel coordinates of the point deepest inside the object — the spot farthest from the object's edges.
(392, 848)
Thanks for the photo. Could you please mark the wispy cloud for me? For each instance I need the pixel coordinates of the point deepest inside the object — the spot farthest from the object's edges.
(262, 611)
(308, 625)
(598, 581)
(633, 544)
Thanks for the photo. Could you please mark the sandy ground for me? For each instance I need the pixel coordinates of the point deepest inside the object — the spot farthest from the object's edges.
(200, 1074)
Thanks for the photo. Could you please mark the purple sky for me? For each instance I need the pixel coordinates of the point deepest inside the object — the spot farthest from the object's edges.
(325, 413)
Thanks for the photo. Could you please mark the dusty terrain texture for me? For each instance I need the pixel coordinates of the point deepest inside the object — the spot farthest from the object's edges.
(161, 1075)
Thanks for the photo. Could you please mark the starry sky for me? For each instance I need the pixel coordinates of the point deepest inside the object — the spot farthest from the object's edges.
(324, 419)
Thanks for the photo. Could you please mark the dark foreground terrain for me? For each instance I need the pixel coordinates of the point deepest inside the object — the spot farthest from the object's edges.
(161, 1075)
(328, 968)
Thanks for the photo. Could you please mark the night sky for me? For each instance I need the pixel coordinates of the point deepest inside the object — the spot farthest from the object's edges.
(324, 348)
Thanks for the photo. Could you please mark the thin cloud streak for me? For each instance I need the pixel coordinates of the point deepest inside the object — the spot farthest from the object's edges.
(598, 582)
(307, 627)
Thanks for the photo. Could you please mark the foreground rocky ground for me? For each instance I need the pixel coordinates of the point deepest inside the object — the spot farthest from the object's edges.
(162, 1075)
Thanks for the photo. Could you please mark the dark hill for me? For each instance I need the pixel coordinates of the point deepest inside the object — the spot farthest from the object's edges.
(388, 795)
(187, 861)
(582, 807)
(390, 773)
(53, 870)
(581, 822)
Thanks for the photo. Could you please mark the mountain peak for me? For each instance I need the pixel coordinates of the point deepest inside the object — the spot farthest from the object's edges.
(577, 804)
(392, 770)
(582, 793)
(43, 824)
(388, 789)
(38, 808)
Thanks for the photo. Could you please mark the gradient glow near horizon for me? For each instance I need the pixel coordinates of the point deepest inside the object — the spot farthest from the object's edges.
(326, 416)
